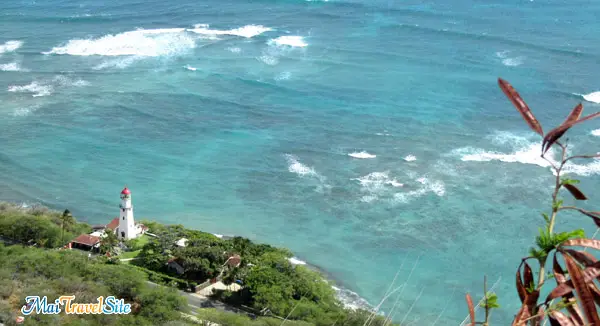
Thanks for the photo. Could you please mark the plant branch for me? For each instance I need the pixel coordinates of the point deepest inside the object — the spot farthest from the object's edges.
(581, 156)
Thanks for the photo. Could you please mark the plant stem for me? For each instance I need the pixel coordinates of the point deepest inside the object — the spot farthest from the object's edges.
(487, 309)
(555, 209)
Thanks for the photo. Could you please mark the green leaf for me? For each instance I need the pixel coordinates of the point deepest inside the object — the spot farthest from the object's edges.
(556, 205)
(567, 181)
(546, 218)
(492, 301)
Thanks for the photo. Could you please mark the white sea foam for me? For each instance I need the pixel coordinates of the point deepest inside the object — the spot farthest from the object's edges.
(296, 261)
(376, 185)
(36, 88)
(284, 76)
(295, 166)
(289, 40)
(435, 186)
(220, 236)
(593, 97)
(13, 66)
(247, 31)
(350, 299)
(25, 111)
(141, 42)
(508, 61)
(362, 154)
(596, 132)
(375, 182)
(188, 67)
(268, 59)
(45, 88)
(524, 151)
(410, 158)
(380, 186)
(300, 169)
(10, 46)
(120, 63)
(234, 49)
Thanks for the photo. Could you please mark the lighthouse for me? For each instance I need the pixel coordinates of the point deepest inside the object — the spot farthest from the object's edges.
(127, 228)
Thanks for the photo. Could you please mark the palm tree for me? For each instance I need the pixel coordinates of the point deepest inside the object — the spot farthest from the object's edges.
(108, 242)
(66, 220)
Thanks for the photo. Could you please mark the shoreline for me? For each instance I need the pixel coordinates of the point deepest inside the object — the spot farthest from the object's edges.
(349, 298)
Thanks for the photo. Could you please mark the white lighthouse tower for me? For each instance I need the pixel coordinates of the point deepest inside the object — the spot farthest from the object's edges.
(127, 228)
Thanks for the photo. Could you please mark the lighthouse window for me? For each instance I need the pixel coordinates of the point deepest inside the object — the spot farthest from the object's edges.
(123, 218)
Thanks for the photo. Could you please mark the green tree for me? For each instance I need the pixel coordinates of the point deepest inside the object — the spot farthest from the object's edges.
(67, 220)
(108, 242)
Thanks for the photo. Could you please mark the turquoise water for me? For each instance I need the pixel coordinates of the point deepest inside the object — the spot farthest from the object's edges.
(245, 125)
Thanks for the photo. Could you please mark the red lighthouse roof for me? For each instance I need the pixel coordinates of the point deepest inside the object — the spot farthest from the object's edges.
(126, 191)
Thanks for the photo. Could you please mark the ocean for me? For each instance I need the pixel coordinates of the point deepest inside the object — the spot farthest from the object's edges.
(369, 137)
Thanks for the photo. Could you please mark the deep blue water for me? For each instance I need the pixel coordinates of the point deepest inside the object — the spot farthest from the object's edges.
(244, 127)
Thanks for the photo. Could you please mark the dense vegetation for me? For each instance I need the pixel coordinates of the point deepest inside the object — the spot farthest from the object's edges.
(271, 285)
(576, 297)
(32, 271)
(38, 225)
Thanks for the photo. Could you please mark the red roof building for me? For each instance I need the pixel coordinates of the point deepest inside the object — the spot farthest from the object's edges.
(86, 242)
(86, 239)
(113, 224)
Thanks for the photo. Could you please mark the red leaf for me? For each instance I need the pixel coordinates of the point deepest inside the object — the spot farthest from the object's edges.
(595, 292)
(583, 257)
(521, 106)
(590, 243)
(559, 131)
(575, 192)
(520, 287)
(583, 291)
(522, 315)
(527, 276)
(561, 318)
(594, 215)
(559, 274)
(561, 290)
(471, 309)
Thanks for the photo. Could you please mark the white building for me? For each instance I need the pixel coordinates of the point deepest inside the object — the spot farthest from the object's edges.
(124, 226)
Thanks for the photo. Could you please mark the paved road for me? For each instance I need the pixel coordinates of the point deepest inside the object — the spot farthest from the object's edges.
(199, 301)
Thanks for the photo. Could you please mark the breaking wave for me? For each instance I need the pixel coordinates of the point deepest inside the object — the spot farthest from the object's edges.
(45, 88)
(410, 158)
(596, 132)
(13, 66)
(523, 151)
(362, 154)
(247, 31)
(150, 42)
(593, 97)
(38, 89)
(141, 42)
(296, 261)
(10, 46)
(289, 41)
